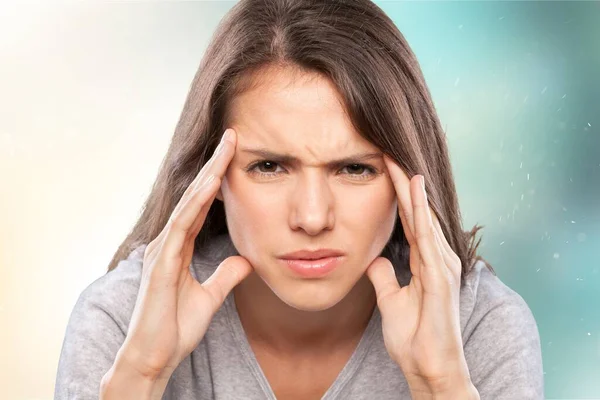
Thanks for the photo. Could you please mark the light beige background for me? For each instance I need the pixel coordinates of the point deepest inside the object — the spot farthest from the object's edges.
(89, 97)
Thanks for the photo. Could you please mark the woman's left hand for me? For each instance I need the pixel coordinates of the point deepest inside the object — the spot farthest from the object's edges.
(420, 321)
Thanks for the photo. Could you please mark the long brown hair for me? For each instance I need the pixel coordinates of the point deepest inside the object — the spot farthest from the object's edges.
(356, 46)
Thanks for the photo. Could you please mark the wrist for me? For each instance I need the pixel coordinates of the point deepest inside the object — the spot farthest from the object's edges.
(461, 388)
(122, 381)
(456, 385)
(465, 391)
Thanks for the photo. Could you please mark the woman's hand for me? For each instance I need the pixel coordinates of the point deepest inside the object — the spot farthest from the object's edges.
(420, 321)
(173, 310)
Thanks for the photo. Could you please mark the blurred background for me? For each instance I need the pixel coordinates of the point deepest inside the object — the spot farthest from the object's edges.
(90, 94)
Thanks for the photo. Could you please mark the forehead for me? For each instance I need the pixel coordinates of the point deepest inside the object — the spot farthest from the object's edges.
(285, 103)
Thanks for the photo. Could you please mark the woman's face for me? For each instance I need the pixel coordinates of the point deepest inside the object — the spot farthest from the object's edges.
(277, 207)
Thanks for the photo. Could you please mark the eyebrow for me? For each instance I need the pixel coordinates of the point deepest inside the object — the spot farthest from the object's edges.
(289, 159)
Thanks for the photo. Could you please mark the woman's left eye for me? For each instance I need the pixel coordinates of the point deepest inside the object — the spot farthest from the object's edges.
(355, 170)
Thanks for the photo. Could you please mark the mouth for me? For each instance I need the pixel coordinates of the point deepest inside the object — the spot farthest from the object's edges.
(312, 254)
(312, 268)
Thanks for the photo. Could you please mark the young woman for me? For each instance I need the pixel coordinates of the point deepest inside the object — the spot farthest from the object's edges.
(317, 252)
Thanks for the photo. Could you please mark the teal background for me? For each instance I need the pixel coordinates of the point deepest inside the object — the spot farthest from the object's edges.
(517, 86)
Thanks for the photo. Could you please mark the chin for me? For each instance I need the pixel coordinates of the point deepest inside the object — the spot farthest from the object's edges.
(308, 295)
(309, 303)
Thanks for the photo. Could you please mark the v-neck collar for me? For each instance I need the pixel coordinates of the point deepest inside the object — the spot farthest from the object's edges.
(340, 381)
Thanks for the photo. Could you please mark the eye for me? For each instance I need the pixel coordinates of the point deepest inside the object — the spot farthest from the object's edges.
(357, 169)
(361, 171)
(268, 164)
(266, 168)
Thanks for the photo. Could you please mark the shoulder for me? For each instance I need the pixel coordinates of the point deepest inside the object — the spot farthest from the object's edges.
(500, 338)
(97, 327)
(487, 294)
(121, 280)
(115, 292)
(128, 272)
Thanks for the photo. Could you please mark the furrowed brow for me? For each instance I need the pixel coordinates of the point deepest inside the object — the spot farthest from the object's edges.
(289, 159)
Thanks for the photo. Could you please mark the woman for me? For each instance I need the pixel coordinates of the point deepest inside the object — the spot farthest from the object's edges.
(327, 129)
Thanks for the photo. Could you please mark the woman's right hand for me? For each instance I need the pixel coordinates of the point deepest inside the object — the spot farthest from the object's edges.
(173, 310)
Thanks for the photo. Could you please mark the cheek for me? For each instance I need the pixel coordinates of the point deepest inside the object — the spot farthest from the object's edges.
(251, 211)
(373, 213)
(252, 204)
(374, 205)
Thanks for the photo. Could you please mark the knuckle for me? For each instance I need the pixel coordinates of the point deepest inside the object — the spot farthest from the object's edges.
(431, 231)
(453, 280)
(420, 236)
(165, 264)
(418, 206)
(407, 215)
(149, 250)
(174, 225)
(386, 290)
(230, 270)
(456, 261)
(458, 270)
(425, 235)
(177, 209)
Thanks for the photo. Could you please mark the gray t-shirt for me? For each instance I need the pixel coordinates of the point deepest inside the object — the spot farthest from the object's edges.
(500, 338)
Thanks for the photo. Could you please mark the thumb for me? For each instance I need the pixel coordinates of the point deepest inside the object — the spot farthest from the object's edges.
(228, 274)
(383, 277)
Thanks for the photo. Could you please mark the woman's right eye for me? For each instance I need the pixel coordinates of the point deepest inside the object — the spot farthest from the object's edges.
(268, 165)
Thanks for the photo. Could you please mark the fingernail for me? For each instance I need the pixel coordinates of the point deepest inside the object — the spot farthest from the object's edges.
(422, 178)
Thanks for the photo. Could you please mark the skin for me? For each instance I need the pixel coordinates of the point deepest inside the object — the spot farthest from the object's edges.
(426, 341)
(302, 205)
(308, 204)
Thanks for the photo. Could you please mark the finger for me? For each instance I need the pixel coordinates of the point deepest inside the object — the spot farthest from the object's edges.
(402, 187)
(197, 204)
(433, 270)
(445, 246)
(228, 274)
(450, 257)
(221, 164)
(155, 246)
(209, 168)
(405, 210)
(383, 277)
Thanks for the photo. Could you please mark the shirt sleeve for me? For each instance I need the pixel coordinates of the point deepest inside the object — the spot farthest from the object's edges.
(96, 330)
(503, 352)
(91, 342)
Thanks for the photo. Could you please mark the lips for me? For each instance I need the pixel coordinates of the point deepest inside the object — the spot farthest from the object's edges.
(311, 269)
(312, 254)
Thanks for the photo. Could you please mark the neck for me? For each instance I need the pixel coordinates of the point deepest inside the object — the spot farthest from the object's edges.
(286, 330)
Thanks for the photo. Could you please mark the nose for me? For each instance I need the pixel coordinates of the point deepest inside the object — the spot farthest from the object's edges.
(312, 204)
